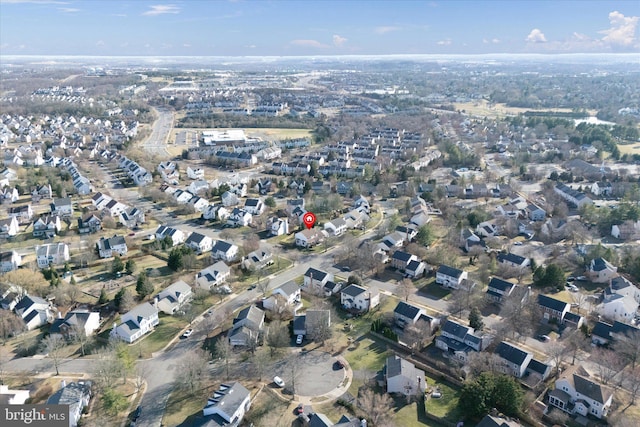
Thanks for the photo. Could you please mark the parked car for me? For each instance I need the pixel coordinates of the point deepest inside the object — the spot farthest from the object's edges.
(571, 287)
(299, 339)
(338, 365)
(544, 338)
(278, 381)
(187, 333)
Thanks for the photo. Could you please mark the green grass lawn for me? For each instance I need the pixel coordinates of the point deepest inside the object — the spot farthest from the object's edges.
(435, 290)
(168, 328)
(447, 406)
(279, 264)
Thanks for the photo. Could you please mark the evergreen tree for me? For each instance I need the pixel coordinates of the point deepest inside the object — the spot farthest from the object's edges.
(103, 299)
(475, 319)
(143, 286)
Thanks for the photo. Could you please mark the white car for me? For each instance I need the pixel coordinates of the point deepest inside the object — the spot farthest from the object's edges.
(187, 333)
(278, 381)
(299, 339)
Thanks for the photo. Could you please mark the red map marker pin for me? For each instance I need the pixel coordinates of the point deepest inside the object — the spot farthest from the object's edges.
(309, 219)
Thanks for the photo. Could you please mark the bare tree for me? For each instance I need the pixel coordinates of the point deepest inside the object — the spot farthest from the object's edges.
(574, 341)
(607, 364)
(416, 336)
(106, 370)
(375, 407)
(628, 346)
(277, 337)
(557, 352)
(263, 284)
(10, 325)
(79, 336)
(193, 371)
(405, 289)
(52, 346)
(479, 362)
(259, 363)
(224, 352)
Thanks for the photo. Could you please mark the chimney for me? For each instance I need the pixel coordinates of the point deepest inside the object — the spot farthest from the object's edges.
(59, 315)
(63, 384)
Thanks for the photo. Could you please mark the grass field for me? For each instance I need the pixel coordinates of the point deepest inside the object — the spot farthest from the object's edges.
(482, 108)
(629, 148)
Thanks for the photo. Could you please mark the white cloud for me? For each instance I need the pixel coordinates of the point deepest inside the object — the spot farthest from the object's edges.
(445, 42)
(68, 9)
(536, 36)
(309, 43)
(622, 31)
(492, 41)
(100, 43)
(186, 45)
(339, 40)
(386, 29)
(162, 9)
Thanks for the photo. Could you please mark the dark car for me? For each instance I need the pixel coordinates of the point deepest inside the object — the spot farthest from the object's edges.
(338, 365)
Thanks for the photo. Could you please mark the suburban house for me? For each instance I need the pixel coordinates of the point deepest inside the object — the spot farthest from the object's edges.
(288, 293)
(23, 213)
(622, 286)
(199, 242)
(496, 421)
(111, 246)
(601, 271)
(576, 392)
(136, 322)
(173, 297)
(76, 395)
(62, 207)
(132, 217)
(604, 333)
(309, 237)
(499, 289)
(254, 206)
(403, 377)
(224, 251)
(278, 226)
(9, 261)
(212, 276)
(257, 259)
(34, 311)
(573, 197)
(628, 230)
(458, 340)
(52, 254)
(177, 236)
(229, 199)
(11, 297)
(513, 260)
(515, 359)
(618, 307)
(47, 226)
(407, 314)
(227, 406)
(315, 280)
(239, 218)
(359, 299)
(246, 327)
(535, 212)
(415, 269)
(336, 227)
(9, 227)
(553, 309)
(89, 223)
(400, 260)
(79, 320)
(450, 277)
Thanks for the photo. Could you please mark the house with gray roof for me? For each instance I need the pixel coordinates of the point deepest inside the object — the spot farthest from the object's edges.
(136, 322)
(79, 320)
(172, 298)
(403, 377)
(246, 326)
(212, 276)
(228, 405)
(458, 340)
(111, 246)
(577, 392)
(515, 359)
(450, 277)
(76, 395)
(407, 314)
(34, 311)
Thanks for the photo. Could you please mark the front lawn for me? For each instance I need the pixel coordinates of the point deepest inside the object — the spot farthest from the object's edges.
(168, 328)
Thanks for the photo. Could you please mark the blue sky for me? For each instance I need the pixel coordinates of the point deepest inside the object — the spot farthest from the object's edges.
(289, 28)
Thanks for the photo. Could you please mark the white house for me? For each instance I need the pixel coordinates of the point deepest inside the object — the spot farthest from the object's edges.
(407, 314)
(48, 225)
(224, 251)
(290, 293)
(601, 271)
(9, 261)
(195, 173)
(13, 397)
(515, 360)
(173, 297)
(336, 227)
(316, 279)
(199, 242)
(246, 326)
(278, 226)
(9, 227)
(228, 405)
(618, 307)
(111, 246)
(177, 236)
(403, 377)
(458, 340)
(136, 322)
(212, 276)
(34, 311)
(62, 207)
(254, 206)
(75, 396)
(52, 254)
(513, 260)
(239, 218)
(576, 392)
(450, 277)
(357, 298)
(76, 320)
(257, 259)
(23, 213)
